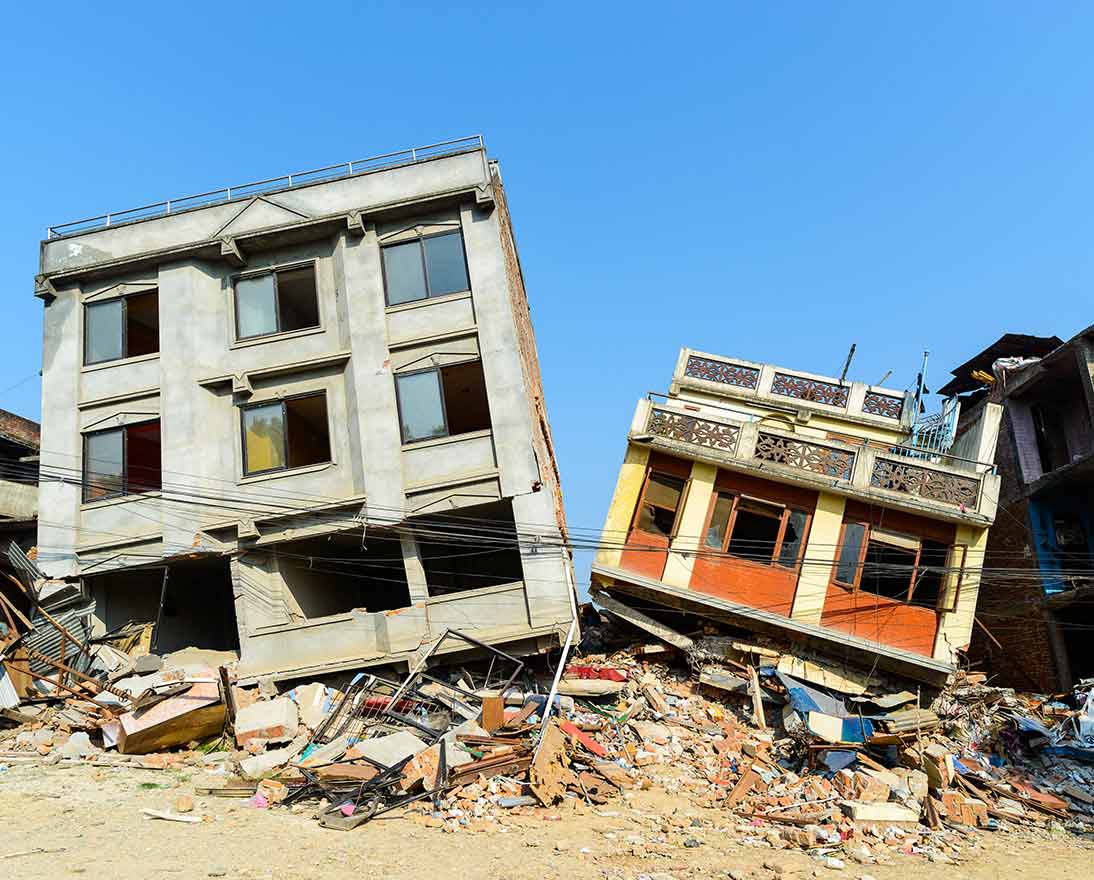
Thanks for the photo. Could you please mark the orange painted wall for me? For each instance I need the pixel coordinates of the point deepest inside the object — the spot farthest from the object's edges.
(879, 619)
(768, 587)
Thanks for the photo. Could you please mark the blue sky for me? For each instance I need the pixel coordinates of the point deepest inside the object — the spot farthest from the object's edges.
(774, 181)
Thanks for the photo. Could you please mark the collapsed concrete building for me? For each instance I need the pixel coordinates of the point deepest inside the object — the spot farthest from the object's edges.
(19, 441)
(304, 418)
(823, 512)
(1038, 612)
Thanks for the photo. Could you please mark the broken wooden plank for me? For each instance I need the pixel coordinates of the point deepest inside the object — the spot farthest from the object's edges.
(642, 621)
(757, 698)
(741, 789)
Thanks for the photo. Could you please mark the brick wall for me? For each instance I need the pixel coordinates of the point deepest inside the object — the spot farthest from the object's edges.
(19, 430)
(1010, 604)
(529, 356)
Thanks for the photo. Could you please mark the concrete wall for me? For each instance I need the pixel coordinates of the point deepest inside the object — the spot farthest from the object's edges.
(202, 375)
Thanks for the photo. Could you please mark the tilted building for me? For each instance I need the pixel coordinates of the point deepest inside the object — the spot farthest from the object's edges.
(1038, 612)
(304, 417)
(803, 507)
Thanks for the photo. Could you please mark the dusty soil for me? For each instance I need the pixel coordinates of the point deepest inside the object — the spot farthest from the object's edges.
(78, 819)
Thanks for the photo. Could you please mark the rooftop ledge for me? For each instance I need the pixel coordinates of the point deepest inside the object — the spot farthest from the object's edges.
(240, 192)
(780, 388)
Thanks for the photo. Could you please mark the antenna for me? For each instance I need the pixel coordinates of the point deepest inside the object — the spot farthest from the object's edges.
(847, 363)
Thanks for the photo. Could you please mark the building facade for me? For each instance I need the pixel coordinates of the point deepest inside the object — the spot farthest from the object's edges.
(1038, 610)
(19, 442)
(304, 418)
(792, 504)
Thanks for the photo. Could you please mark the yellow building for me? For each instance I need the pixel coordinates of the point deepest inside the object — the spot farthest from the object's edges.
(798, 505)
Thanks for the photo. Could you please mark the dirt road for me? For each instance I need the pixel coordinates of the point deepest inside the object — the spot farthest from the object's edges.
(88, 821)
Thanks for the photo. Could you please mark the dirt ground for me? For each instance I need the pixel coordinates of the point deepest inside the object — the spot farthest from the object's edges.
(72, 819)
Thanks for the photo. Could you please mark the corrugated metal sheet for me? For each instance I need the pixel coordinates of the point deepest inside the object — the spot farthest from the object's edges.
(46, 638)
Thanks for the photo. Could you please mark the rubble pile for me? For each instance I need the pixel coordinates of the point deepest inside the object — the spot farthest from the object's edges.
(788, 751)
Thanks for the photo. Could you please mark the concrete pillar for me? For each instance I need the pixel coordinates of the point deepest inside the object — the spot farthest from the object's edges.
(820, 556)
(621, 510)
(62, 452)
(375, 438)
(415, 571)
(955, 627)
(689, 530)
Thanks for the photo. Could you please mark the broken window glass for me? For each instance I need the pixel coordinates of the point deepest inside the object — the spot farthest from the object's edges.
(719, 521)
(793, 538)
(430, 266)
(755, 530)
(660, 503)
(930, 574)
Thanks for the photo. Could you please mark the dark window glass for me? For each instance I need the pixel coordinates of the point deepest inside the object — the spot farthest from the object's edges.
(465, 401)
(142, 458)
(286, 434)
(793, 538)
(142, 324)
(297, 300)
(659, 505)
(446, 268)
(719, 521)
(930, 574)
(307, 430)
(847, 567)
(404, 272)
(103, 332)
(122, 461)
(1048, 426)
(755, 530)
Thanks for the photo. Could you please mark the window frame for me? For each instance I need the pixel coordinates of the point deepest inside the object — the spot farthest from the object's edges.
(285, 428)
(124, 492)
(913, 576)
(727, 538)
(637, 516)
(275, 270)
(124, 298)
(419, 240)
(444, 403)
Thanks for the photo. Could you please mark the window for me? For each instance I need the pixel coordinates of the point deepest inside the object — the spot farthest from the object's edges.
(757, 530)
(286, 434)
(277, 302)
(660, 503)
(126, 327)
(893, 565)
(122, 461)
(1048, 427)
(429, 266)
(442, 402)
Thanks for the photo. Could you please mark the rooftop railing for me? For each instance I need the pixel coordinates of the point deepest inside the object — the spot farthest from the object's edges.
(272, 184)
